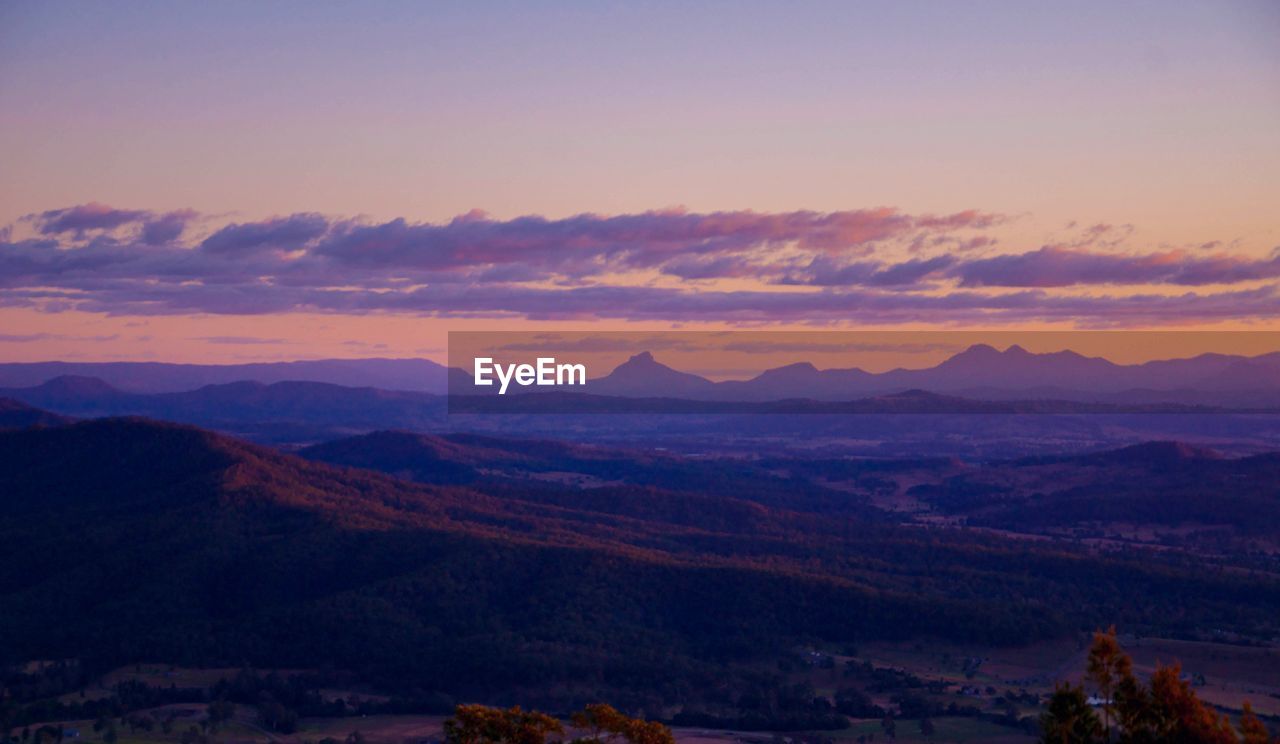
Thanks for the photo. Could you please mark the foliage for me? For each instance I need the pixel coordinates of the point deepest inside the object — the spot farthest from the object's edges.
(1069, 719)
(1165, 710)
(479, 724)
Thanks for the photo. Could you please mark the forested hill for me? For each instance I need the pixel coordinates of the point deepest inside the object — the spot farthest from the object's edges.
(18, 415)
(125, 539)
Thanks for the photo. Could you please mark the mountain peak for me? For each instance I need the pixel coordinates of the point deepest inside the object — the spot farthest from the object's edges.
(78, 385)
(644, 375)
(789, 370)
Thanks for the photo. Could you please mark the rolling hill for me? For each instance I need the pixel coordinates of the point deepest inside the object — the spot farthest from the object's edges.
(17, 415)
(128, 539)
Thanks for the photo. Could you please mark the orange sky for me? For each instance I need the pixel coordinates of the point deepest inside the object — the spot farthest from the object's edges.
(1134, 147)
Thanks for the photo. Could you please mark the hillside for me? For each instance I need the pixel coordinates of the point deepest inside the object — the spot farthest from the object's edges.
(1169, 484)
(128, 539)
(18, 415)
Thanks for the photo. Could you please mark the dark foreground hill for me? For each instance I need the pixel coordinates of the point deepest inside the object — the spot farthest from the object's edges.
(129, 540)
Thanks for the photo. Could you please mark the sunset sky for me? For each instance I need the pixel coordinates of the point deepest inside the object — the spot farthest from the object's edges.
(225, 182)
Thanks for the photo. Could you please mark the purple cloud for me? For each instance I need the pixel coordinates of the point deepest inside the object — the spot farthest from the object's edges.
(142, 262)
(91, 216)
(166, 228)
(154, 228)
(283, 233)
(1061, 267)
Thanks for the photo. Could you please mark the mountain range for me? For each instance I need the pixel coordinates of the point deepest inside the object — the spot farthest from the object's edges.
(980, 372)
(302, 413)
(657, 579)
(419, 375)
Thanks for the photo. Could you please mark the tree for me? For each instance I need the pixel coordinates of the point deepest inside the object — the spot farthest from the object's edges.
(1252, 731)
(604, 723)
(480, 724)
(1180, 715)
(1108, 665)
(1167, 710)
(1069, 719)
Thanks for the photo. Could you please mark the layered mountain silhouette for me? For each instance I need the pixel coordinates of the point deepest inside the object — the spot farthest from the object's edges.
(282, 410)
(17, 415)
(980, 372)
(419, 375)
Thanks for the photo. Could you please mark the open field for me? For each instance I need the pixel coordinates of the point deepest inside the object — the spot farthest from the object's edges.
(946, 729)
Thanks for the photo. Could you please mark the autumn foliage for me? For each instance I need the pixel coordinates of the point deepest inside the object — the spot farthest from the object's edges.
(1166, 709)
(600, 724)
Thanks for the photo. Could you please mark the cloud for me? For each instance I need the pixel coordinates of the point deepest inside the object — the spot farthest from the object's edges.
(823, 272)
(280, 233)
(26, 338)
(166, 228)
(1063, 267)
(589, 244)
(91, 216)
(153, 228)
(748, 267)
(239, 340)
(821, 347)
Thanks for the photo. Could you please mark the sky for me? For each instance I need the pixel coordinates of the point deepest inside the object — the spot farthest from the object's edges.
(223, 182)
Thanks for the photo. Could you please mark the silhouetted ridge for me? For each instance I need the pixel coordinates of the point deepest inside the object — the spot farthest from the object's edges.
(644, 375)
(77, 386)
(15, 414)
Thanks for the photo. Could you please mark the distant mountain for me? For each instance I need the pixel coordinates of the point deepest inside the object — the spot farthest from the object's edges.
(419, 375)
(642, 376)
(303, 413)
(799, 380)
(282, 411)
(1013, 368)
(17, 415)
(1208, 379)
